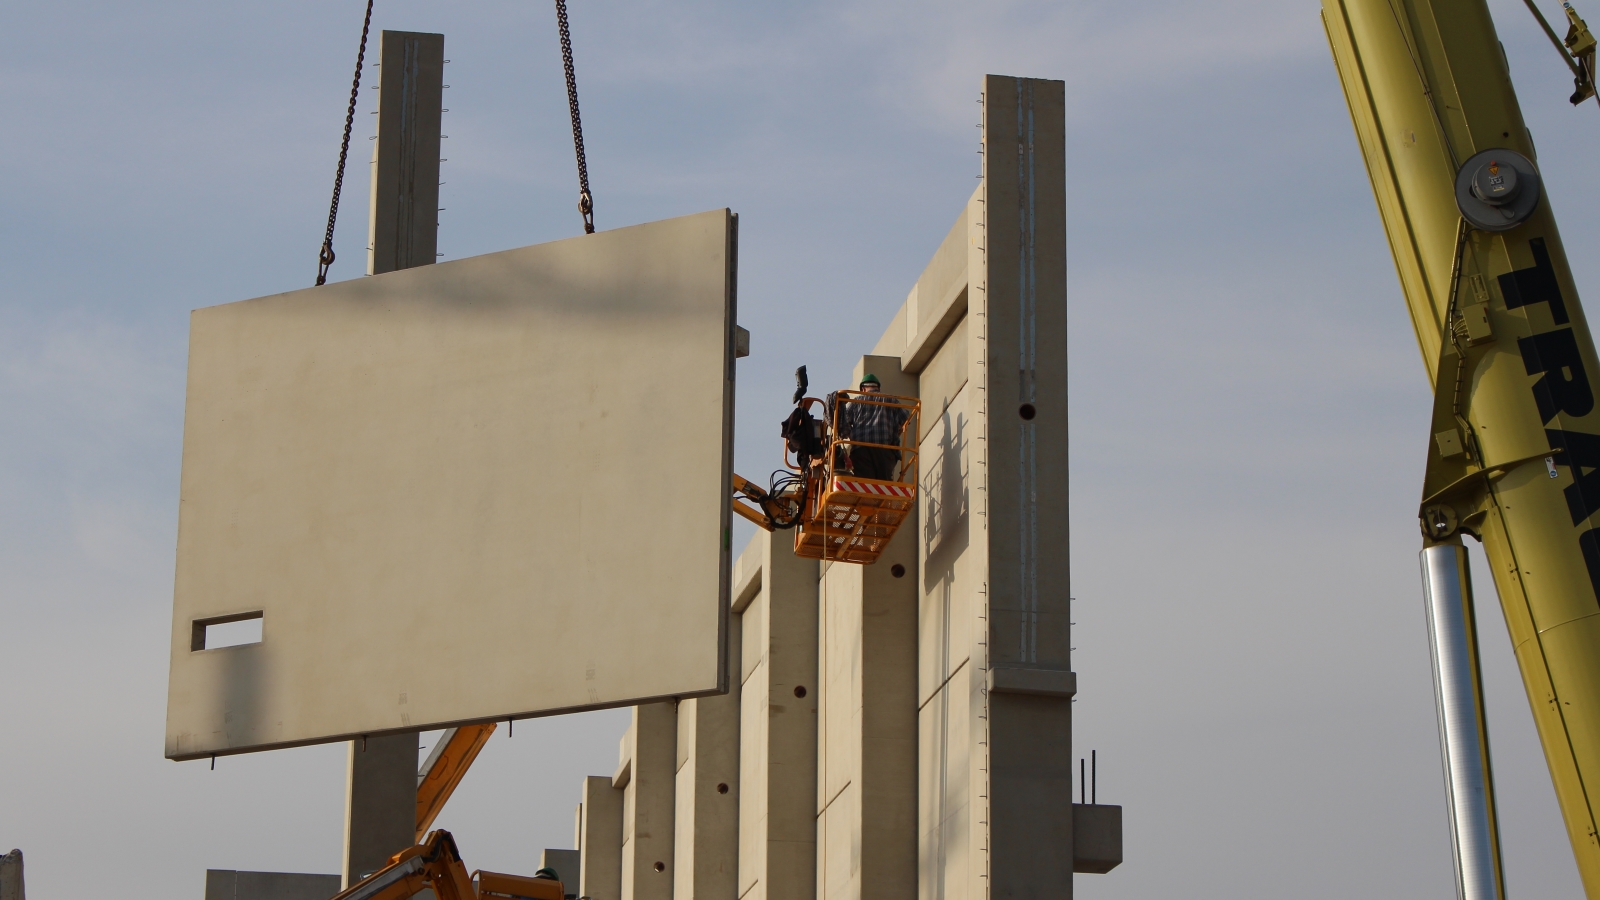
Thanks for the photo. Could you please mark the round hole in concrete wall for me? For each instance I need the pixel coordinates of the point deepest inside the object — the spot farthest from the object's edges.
(800, 690)
(1027, 412)
(897, 570)
(661, 867)
(722, 788)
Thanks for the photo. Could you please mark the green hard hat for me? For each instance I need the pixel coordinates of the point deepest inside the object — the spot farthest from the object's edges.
(547, 873)
(870, 378)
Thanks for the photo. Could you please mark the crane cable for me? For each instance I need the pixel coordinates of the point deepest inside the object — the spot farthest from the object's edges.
(585, 199)
(325, 258)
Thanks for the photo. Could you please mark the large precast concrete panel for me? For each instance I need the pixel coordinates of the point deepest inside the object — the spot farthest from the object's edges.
(422, 482)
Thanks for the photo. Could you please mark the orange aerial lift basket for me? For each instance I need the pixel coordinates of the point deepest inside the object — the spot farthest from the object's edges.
(844, 495)
(859, 493)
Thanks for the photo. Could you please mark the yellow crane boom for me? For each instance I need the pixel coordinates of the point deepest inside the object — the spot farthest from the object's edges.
(1513, 455)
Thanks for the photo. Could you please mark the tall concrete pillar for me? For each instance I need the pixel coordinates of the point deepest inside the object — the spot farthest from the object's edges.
(775, 599)
(11, 885)
(1027, 752)
(706, 824)
(381, 800)
(380, 803)
(405, 158)
(599, 840)
(567, 864)
(647, 775)
(867, 737)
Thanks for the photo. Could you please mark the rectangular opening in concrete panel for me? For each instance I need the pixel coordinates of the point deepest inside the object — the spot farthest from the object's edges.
(484, 489)
(226, 631)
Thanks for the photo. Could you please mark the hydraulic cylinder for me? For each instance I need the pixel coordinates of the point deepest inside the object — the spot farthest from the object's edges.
(1463, 732)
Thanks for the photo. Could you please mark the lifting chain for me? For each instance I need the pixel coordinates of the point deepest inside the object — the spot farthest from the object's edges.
(325, 258)
(585, 199)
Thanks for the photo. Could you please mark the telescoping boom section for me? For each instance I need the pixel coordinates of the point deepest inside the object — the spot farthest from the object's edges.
(849, 479)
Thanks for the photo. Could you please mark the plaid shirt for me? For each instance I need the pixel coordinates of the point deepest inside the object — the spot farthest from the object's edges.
(874, 422)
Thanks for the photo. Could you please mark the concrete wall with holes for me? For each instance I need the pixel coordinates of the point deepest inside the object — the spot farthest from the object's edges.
(905, 728)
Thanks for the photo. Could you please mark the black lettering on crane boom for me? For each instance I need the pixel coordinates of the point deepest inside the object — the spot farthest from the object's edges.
(1524, 287)
(1589, 543)
(1564, 387)
(1580, 451)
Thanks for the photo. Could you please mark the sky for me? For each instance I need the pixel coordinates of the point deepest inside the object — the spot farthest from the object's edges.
(1249, 409)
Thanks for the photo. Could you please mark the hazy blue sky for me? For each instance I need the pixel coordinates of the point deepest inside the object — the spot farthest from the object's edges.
(1249, 408)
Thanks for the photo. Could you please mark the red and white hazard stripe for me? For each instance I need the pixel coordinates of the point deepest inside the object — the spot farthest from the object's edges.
(872, 487)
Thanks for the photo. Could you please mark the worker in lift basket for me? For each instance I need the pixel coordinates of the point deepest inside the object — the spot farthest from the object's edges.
(870, 422)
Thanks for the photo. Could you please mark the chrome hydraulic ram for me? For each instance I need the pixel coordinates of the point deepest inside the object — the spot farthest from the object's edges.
(1463, 731)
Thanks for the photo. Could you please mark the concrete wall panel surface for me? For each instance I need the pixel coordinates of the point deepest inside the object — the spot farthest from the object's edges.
(648, 805)
(943, 378)
(945, 827)
(227, 884)
(421, 482)
(706, 823)
(948, 565)
(566, 863)
(600, 840)
(778, 728)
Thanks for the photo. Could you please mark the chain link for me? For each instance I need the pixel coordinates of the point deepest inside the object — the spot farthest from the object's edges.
(326, 257)
(585, 199)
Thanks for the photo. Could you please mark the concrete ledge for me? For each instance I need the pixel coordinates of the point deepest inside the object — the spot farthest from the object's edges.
(747, 575)
(1041, 682)
(1096, 838)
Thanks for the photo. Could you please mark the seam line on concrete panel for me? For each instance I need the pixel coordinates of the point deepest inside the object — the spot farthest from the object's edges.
(841, 790)
(935, 692)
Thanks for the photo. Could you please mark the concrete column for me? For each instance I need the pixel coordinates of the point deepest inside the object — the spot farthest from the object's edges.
(706, 824)
(867, 737)
(775, 598)
(599, 840)
(11, 886)
(1022, 780)
(405, 159)
(566, 864)
(647, 775)
(381, 801)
